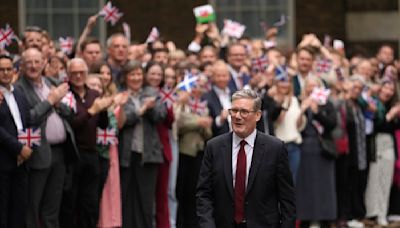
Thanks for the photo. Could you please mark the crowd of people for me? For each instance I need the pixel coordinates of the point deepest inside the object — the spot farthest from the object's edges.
(342, 146)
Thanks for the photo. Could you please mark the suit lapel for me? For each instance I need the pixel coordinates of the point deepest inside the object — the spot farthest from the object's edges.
(216, 99)
(227, 150)
(31, 95)
(258, 153)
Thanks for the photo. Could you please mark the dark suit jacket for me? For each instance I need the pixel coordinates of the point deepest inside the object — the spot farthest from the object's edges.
(270, 197)
(10, 148)
(39, 112)
(232, 85)
(215, 108)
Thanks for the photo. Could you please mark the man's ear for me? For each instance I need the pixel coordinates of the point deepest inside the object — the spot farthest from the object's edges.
(258, 115)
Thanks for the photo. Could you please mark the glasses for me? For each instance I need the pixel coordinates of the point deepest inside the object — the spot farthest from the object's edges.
(6, 70)
(243, 112)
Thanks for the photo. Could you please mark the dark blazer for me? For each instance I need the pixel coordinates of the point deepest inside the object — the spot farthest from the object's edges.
(232, 85)
(215, 108)
(296, 86)
(10, 148)
(270, 197)
(39, 112)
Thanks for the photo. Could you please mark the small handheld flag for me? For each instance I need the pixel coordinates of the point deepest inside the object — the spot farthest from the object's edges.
(66, 44)
(281, 73)
(30, 137)
(189, 81)
(6, 36)
(204, 14)
(111, 13)
(106, 136)
(320, 95)
(153, 36)
(233, 29)
(167, 96)
(70, 101)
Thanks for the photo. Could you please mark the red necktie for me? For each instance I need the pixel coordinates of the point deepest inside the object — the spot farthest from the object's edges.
(240, 183)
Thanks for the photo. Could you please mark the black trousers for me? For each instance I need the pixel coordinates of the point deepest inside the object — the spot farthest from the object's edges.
(81, 200)
(188, 172)
(13, 197)
(45, 192)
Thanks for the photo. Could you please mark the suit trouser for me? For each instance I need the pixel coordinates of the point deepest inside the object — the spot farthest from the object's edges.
(13, 197)
(138, 189)
(188, 172)
(45, 192)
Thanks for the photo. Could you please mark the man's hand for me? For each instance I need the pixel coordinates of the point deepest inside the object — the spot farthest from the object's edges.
(25, 153)
(205, 122)
(224, 115)
(57, 93)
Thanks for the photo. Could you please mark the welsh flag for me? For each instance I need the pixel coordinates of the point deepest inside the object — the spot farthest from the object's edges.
(204, 14)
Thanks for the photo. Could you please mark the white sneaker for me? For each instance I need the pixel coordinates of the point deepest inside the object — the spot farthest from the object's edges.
(382, 221)
(355, 224)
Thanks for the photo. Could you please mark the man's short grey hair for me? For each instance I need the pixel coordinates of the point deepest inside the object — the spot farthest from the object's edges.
(113, 36)
(357, 78)
(77, 60)
(248, 94)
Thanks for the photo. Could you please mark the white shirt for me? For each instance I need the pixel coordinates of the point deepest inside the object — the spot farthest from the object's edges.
(248, 148)
(225, 100)
(235, 76)
(12, 105)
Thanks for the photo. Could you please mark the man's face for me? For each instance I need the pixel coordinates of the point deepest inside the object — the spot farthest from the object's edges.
(77, 74)
(221, 77)
(33, 64)
(386, 55)
(92, 53)
(207, 56)
(6, 72)
(118, 49)
(33, 39)
(237, 56)
(161, 57)
(244, 117)
(305, 62)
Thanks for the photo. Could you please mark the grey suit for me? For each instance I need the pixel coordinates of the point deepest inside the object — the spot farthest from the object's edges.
(139, 170)
(47, 163)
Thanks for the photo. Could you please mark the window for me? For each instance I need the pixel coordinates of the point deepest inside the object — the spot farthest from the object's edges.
(61, 18)
(252, 12)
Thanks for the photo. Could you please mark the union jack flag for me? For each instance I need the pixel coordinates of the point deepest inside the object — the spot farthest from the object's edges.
(66, 44)
(233, 29)
(153, 36)
(259, 64)
(30, 137)
(197, 106)
(69, 100)
(167, 96)
(320, 95)
(323, 66)
(106, 136)
(111, 13)
(6, 36)
(189, 81)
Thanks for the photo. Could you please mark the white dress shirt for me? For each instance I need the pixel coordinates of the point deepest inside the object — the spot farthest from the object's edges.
(12, 105)
(225, 100)
(248, 148)
(237, 77)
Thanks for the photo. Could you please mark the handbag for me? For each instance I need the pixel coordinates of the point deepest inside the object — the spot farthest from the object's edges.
(342, 143)
(329, 150)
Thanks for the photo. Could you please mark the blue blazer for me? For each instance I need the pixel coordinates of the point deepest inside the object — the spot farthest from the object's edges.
(232, 85)
(10, 148)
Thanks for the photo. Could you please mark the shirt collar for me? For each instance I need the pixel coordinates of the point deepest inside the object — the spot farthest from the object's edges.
(249, 139)
(5, 90)
(221, 91)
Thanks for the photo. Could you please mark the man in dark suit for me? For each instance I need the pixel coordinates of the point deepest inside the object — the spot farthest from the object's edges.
(14, 116)
(57, 147)
(219, 98)
(236, 58)
(245, 180)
